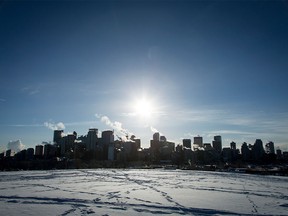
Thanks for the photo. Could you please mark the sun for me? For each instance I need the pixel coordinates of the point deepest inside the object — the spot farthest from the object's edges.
(143, 108)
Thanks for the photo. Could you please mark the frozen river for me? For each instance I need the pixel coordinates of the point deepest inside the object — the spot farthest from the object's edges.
(141, 192)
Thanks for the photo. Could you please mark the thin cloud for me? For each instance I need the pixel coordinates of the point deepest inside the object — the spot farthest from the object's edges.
(25, 125)
(80, 123)
(30, 90)
(238, 132)
(55, 126)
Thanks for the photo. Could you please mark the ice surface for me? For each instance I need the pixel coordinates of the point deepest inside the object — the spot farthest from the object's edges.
(141, 192)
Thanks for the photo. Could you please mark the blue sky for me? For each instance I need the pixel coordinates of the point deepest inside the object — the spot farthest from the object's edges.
(206, 68)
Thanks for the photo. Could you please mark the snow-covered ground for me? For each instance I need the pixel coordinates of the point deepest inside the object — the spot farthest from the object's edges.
(141, 192)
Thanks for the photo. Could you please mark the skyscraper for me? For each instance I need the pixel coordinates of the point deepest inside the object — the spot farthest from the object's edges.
(187, 143)
(198, 141)
(39, 150)
(57, 136)
(217, 143)
(269, 147)
(92, 138)
(107, 137)
(257, 150)
(233, 145)
(156, 136)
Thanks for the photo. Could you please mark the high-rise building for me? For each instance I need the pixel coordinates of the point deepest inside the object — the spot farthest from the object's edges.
(107, 137)
(258, 150)
(49, 151)
(92, 138)
(245, 151)
(279, 154)
(58, 134)
(187, 143)
(233, 145)
(156, 136)
(198, 142)
(30, 154)
(269, 147)
(163, 139)
(217, 143)
(39, 150)
(227, 154)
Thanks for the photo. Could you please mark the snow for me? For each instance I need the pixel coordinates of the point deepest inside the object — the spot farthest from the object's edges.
(141, 192)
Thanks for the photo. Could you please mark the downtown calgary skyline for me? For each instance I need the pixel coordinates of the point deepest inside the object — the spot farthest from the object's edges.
(183, 68)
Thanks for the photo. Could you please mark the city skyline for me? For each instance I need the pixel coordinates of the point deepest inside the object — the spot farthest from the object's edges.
(197, 68)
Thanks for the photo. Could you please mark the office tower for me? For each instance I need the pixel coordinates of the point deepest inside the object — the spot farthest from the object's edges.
(107, 137)
(29, 153)
(187, 143)
(279, 154)
(69, 142)
(49, 151)
(92, 138)
(270, 148)
(163, 139)
(217, 143)
(39, 150)
(198, 141)
(156, 136)
(257, 150)
(233, 145)
(245, 151)
(58, 134)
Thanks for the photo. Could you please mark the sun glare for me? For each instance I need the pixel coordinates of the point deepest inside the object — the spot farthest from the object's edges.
(143, 108)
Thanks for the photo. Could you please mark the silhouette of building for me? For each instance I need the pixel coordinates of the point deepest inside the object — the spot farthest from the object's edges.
(285, 155)
(187, 143)
(107, 137)
(58, 134)
(227, 154)
(67, 144)
(269, 147)
(20, 156)
(106, 140)
(39, 151)
(245, 151)
(198, 142)
(161, 150)
(258, 150)
(156, 136)
(29, 154)
(129, 150)
(92, 139)
(166, 150)
(279, 154)
(233, 145)
(217, 143)
(163, 139)
(49, 151)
